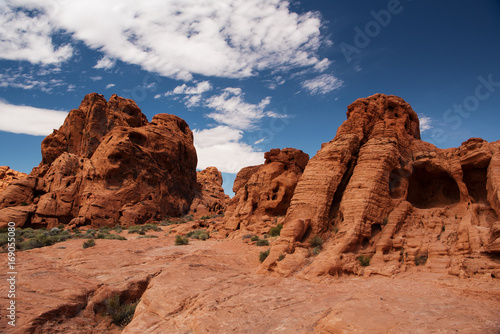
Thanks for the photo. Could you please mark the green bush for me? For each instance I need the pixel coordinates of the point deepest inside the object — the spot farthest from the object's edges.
(180, 240)
(262, 242)
(148, 236)
(88, 243)
(24, 204)
(385, 221)
(316, 250)
(254, 238)
(364, 260)
(142, 229)
(316, 242)
(121, 314)
(109, 236)
(198, 234)
(275, 231)
(281, 257)
(264, 255)
(4, 239)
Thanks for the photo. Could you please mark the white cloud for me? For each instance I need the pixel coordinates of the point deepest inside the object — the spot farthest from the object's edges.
(231, 109)
(322, 84)
(200, 88)
(322, 65)
(96, 78)
(425, 123)
(29, 120)
(275, 82)
(225, 38)
(28, 37)
(192, 94)
(105, 63)
(108, 86)
(29, 81)
(222, 147)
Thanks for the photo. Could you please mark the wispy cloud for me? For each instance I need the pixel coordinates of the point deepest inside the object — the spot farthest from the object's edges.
(28, 36)
(96, 78)
(30, 80)
(227, 38)
(29, 120)
(222, 147)
(322, 84)
(425, 123)
(105, 63)
(111, 85)
(230, 108)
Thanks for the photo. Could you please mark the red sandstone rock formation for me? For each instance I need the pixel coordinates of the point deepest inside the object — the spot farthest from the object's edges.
(376, 190)
(264, 192)
(209, 198)
(7, 176)
(106, 165)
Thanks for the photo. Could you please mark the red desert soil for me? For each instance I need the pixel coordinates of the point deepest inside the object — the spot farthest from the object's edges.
(212, 287)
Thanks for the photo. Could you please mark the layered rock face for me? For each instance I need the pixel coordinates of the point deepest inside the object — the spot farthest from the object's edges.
(7, 176)
(264, 192)
(209, 198)
(376, 191)
(106, 165)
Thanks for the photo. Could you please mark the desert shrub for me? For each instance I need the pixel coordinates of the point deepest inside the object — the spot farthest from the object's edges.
(121, 314)
(385, 221)
(198, 234)
(281, 257)
(109, 236)
(88, 243)
(142, 229)
(188, 218)
(364, 260)
(316, 250)
(118, 228)
(275, 231)
(262, 242)
(4, 239)
(247, 236)
(90, 233)
(104, 229)
(264, 255)
(54, 231)
(61, 226)
(24, 204)
(254, 238)
(180, 240)
(316, 242)
(148, 236)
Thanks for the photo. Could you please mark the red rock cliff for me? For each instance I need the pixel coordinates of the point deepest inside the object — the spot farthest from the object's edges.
(376, 191)
(106, 165)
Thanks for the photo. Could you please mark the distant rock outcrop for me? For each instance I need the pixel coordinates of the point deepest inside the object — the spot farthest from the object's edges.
(107, 165)
(376, 194)
(209, 198)
(7, 176)
(263, 192)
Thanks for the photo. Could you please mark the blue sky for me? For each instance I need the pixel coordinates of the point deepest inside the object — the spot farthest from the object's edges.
(248, 75)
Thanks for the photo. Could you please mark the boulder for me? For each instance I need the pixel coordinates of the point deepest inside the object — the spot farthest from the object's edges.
(263, 192)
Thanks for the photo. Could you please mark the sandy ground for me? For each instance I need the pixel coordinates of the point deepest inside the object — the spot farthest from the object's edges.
(211, 287)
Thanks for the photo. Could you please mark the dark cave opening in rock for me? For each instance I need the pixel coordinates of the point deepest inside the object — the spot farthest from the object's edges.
(432, 187)
(475, 180)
